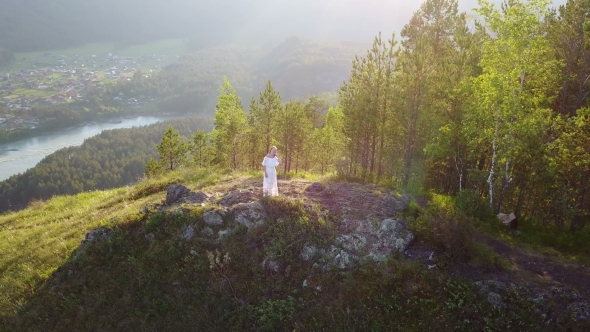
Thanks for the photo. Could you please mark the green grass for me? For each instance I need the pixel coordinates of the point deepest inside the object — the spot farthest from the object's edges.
(33, 92)
(169, 47)
(39, 239)
(145, 277)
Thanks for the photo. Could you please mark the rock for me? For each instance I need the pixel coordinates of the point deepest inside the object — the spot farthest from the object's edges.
(250, 214)
(96, 235)
(396, 203)
(495, 299)
(508, 219)
(342, 259)
(305, 283)
(270, 265)
(178, 194)
(486, 285)
(366, 227)
(237, 197)
(315, 187)
(223, 233)
(351, 242)
(207, 232)
(390, 225)
(308, 252)
(212, 218)
(195, 198)
(175, 192)
(150, 237)
(362, 241)
(580, 310)
(394, 235)
(188, 234)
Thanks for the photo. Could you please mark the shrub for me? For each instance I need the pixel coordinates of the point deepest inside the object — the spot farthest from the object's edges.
(450, 233)
(474, 206)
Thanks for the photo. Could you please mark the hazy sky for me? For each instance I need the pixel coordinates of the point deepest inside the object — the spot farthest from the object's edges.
(361, 20)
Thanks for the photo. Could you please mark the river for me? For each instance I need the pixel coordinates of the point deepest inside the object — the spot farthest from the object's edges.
(17, 157)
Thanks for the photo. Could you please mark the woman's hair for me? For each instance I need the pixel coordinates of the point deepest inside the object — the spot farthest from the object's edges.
(272, 147)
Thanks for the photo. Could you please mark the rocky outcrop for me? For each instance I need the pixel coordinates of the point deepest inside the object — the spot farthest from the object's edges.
(212, 218)
(554, 303)
(96, 235)
(178, 194)
(237, 197)
(368, 242)
(250, 214)
(361, 237)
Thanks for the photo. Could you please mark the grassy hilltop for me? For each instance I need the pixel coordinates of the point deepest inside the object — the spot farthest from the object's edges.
(151, 267)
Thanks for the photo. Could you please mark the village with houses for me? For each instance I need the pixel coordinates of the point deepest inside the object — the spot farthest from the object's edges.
(59, 79)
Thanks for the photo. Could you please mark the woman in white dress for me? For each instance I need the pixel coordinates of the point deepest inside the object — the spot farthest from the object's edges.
(269, 183)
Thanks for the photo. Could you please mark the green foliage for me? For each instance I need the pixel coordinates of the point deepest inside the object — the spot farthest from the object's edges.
(152, 168)
(263, 114)
(474, 206)
(230, 128)
(276, 314)
(450, 233)
(366, 102)
(134, 280)
(114, 158)
(413, 210)
(172, 150)
(201, 149)
(155, 221)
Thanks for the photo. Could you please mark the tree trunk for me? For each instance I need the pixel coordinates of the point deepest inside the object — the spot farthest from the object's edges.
(505, 184)
(491, 175)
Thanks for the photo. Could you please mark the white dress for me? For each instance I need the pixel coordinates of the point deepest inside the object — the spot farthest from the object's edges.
(269, 184)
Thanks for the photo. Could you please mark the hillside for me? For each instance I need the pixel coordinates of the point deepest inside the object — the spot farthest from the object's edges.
(111, 159)
(216, 256)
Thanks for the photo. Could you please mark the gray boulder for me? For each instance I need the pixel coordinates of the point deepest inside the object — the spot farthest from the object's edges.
(96, 235)
(250, 214)
(188, 234)
(175, 192)
(237, 197)
(178, 194)
(395, 203)
(212, 218)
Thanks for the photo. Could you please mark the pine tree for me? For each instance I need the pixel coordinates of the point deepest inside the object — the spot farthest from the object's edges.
(200, 149)
(292, 130)
(230, 127)
(172, 150)
(152, 168)
(366, 103)
(262, 117)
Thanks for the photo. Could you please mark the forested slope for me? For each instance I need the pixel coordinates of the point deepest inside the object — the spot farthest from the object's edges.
(111, 159)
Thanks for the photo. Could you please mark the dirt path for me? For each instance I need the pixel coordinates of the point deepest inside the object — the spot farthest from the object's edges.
(545, 269)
